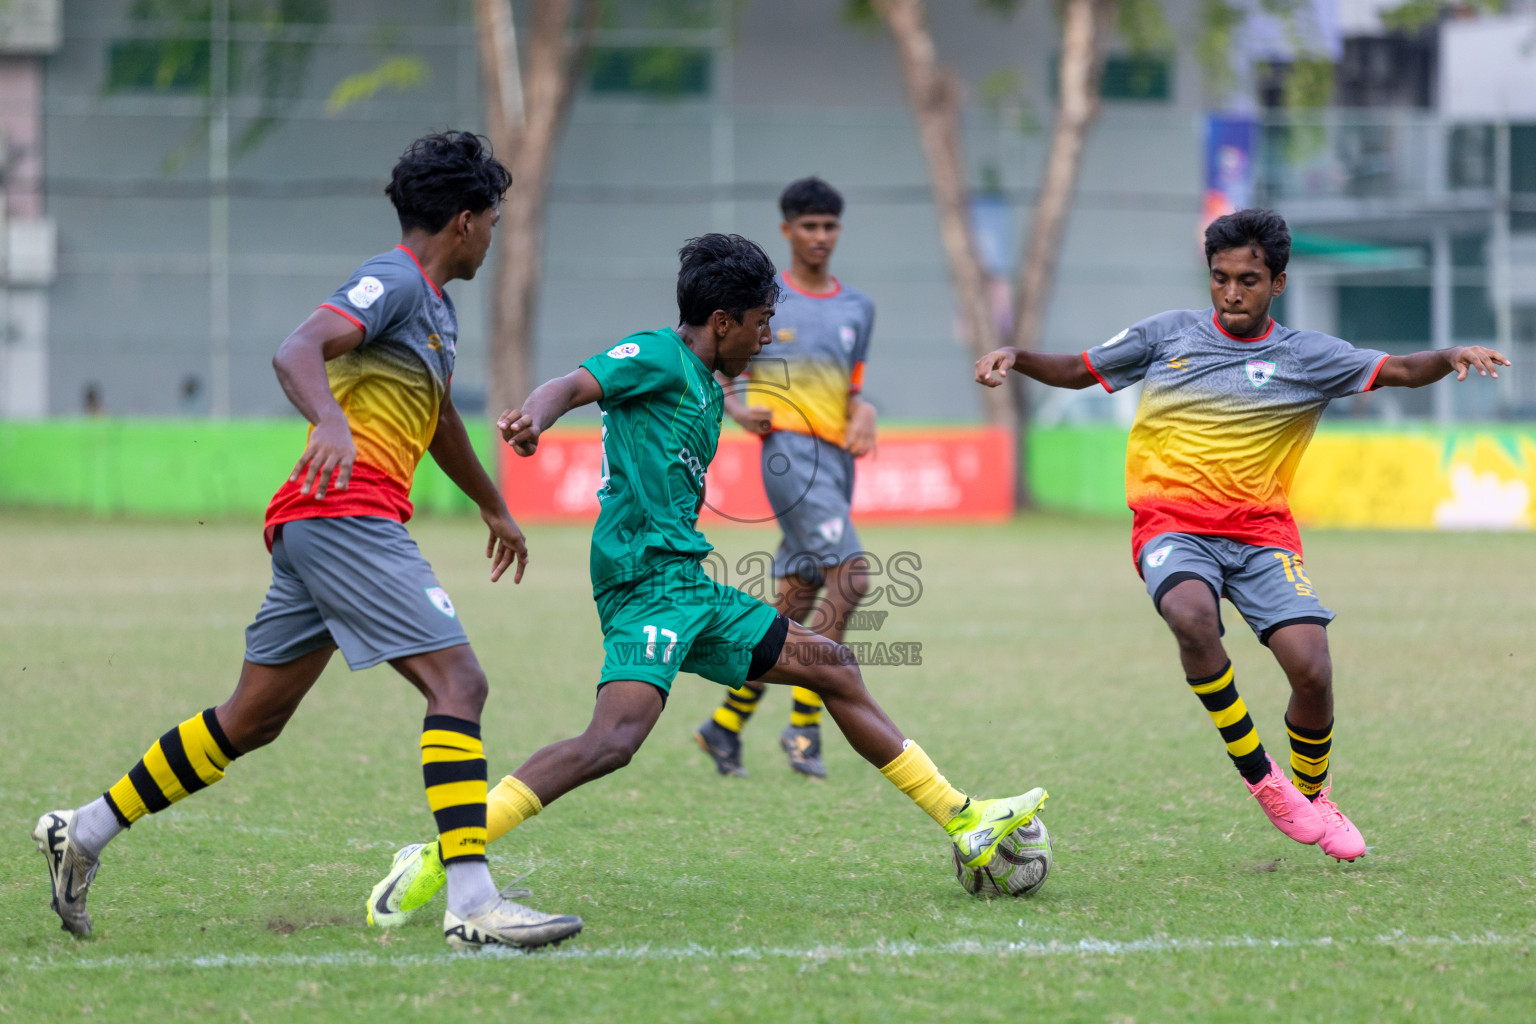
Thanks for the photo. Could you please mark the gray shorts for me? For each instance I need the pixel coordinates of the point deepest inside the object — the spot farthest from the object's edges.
(1268, 586)
(358, 583)
(810, 489)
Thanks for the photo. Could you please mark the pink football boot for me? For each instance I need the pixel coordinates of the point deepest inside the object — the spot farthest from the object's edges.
(1341, 840)
(1290, 812)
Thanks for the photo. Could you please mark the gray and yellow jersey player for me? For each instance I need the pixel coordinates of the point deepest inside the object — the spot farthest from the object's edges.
(804, 402)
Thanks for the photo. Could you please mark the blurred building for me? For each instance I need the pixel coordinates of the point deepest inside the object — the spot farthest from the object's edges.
(209, 180)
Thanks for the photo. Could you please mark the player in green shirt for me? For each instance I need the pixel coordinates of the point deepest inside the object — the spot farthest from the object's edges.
(660, 613)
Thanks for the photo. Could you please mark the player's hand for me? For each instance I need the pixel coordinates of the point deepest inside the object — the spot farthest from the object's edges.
(860, 439)
(506, 544)
(1486, 360)
(517, 430)
(330, 453)
(755, 419)
(993, 367)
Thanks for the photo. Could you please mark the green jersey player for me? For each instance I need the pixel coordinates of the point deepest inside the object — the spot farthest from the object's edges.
(660, 613)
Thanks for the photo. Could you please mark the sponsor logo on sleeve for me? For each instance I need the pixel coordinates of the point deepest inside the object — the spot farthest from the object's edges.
(366, 292)
(1158, 557)
(1259, 371)
(1117, 339)
(624, 351)
(439, 598)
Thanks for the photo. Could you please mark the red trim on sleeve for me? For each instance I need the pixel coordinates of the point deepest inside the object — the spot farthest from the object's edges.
(1216, 319)
(1095, 373)
(345, 315)
(856, 378)
(435, 289)
(837, 288)
(1374, 373)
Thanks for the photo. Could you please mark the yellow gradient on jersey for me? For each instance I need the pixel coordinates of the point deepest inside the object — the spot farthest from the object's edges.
(392, 405)
(1206, 453)
(816, 401)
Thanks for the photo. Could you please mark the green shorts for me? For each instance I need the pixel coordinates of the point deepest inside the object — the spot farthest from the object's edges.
(680, 620)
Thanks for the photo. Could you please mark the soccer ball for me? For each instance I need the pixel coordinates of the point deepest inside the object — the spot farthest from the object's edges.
(1018, 866)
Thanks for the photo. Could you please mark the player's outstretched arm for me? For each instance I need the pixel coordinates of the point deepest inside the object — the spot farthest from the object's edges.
(1421, 368)
(521, 427)
(453, 452)
(300, 366)
(1058, 369)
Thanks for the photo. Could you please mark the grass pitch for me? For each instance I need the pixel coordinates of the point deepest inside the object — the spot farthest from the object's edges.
(775, 897)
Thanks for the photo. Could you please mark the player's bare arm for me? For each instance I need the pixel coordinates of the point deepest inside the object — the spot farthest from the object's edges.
(521, 427)
(300, 365)
(452, 451)
(860, 437)
(1058, 369)
(1420, 368)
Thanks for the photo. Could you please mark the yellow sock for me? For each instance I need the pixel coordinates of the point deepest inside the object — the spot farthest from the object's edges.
(509, 805)
(917, 776)
(806, 709)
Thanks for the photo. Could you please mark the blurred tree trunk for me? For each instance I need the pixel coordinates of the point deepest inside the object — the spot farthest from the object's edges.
(525, 112)
(935, 96)
(1086, 25)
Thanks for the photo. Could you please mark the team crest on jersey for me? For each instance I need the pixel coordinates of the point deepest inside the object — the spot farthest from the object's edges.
(366, 292)
(832, 530)
(1159, 556)
(1259, 371)
(785, 334)
(439, 598)
(624, 351)
(847, 335)
(1117, 338)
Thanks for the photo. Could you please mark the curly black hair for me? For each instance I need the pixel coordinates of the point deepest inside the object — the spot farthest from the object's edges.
(1263, 228)
(440, 175)
(810, 195)
(726, 272)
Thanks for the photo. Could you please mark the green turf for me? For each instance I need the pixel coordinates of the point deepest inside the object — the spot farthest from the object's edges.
(774, 897)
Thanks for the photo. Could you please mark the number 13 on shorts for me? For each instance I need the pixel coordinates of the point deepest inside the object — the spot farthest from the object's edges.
(1294, 573)
(650, 643)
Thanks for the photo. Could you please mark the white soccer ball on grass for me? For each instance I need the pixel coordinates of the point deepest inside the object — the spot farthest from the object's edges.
(1018, 866)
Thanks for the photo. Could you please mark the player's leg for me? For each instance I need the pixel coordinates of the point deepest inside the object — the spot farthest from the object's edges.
(1184, 575)
(287, 648)
(1277, 597)
(454, 771)
(720, 735)
(189, 757)
(807, 659)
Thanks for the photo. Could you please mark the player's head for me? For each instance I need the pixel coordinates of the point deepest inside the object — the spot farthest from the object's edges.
(727, 286)
(450, 184)
(813, 212)
(1246, 252)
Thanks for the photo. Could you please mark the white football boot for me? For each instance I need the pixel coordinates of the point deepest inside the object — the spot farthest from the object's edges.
(505, 923)
(70, 871)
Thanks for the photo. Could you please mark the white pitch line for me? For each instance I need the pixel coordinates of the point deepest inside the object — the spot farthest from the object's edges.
(812, 955)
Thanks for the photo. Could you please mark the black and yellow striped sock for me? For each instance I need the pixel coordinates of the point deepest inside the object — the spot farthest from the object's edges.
(1309, 757)
(190, 757)
(1227, 710)
(806, 709)
(453, 767)
(738, 707)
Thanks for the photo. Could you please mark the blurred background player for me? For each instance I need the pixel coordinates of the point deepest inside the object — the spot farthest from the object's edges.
(1229, 402)
(804, 402)
(660, 613)
(370, 370)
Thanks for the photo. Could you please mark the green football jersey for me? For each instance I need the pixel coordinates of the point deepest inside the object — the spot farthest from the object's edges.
(661, 424)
